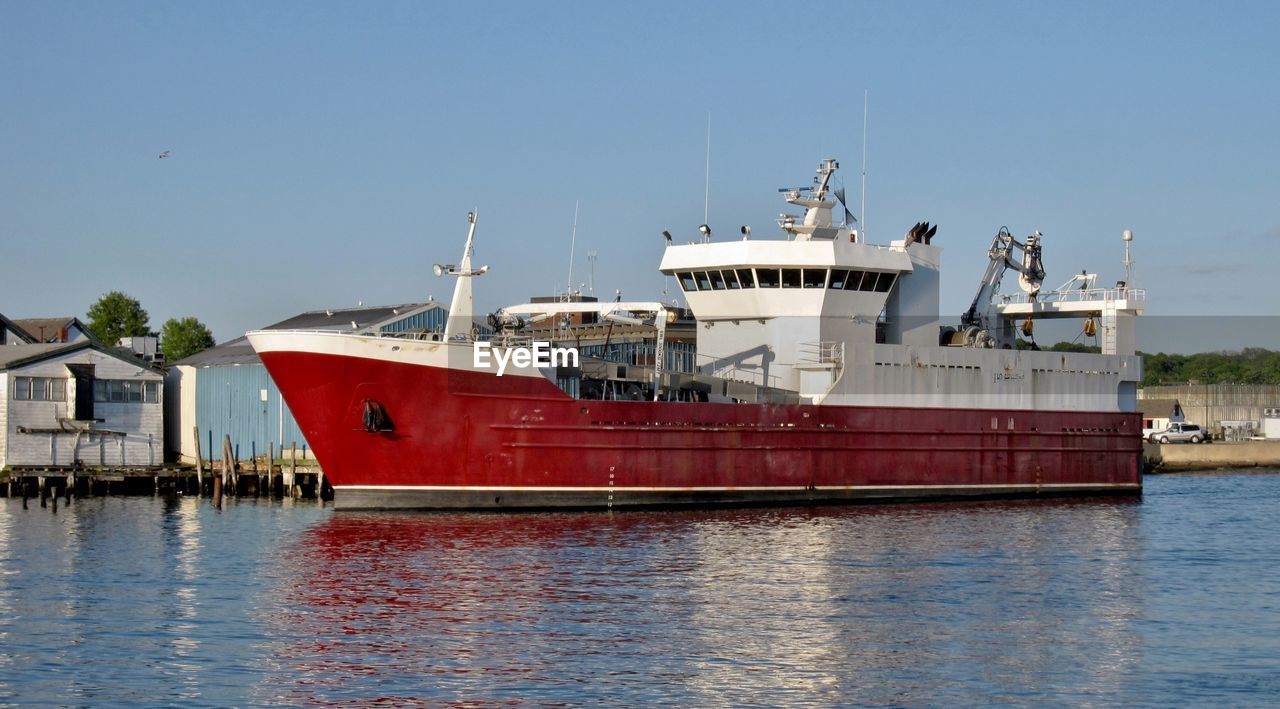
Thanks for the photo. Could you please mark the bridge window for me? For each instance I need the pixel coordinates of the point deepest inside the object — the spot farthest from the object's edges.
(885, 282)
(815, 277)
(687, 282)
(790, 278)
(747, 278)
(768, 277)
(717, 280)
(704, 282)
(838, 278)
(855, 280)
(730, 279)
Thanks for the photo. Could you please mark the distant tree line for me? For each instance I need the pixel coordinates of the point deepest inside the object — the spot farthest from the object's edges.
(116, 315)
(1252, 365)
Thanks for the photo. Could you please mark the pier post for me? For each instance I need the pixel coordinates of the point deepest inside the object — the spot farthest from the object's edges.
(228, 479)
(253, 458)
(71, 484)
(271, 456)
(199, 462)
(293, 470)
(40, 490)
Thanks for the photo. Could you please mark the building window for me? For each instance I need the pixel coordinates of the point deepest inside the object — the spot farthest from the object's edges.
(125, 391)
(39, 389)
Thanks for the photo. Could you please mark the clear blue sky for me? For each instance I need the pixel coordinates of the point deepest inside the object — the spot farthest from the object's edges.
(327, 153)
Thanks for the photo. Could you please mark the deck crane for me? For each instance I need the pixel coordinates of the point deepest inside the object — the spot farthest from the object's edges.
(976, 325)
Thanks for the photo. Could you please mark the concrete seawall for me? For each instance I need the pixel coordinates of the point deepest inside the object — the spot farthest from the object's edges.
(1172, 457)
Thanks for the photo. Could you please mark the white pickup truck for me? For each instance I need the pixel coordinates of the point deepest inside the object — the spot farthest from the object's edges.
(1178, 433)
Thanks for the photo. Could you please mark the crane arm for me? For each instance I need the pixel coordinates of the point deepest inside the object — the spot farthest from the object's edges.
(1029, 267)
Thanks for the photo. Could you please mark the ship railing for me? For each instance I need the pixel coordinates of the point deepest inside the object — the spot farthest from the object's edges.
(1079, 295)
(735, 370)
(822, 352)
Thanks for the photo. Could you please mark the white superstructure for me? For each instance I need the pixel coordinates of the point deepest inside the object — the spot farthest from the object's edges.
(841, 321)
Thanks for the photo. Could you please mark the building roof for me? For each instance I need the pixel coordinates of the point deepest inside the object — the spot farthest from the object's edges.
(1157, 408)
(342, 319)
(14, 327)
(14, 356)
(239, 351)
(44, 329)
(234, 352)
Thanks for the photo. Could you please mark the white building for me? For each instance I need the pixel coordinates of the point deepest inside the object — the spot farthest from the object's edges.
(79, 404)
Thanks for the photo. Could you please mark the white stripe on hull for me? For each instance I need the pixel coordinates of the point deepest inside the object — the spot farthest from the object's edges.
(790, 488)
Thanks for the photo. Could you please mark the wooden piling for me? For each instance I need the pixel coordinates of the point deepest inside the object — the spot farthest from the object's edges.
(271, 459)
(217, 492)
(199, 461)
(228, 466)
(293, 470)
(40, 490)
(71, 484)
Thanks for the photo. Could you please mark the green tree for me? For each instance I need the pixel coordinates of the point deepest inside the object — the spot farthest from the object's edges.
(183, 338)
(117, 315)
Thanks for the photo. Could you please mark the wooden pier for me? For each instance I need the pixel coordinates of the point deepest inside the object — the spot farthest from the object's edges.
(254, 478)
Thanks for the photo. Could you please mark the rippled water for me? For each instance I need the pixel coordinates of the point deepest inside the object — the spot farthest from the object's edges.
(1168, 600)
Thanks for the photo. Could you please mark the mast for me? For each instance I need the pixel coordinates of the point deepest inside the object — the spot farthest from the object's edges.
(573, 243)
(863, 199)
(461, 307)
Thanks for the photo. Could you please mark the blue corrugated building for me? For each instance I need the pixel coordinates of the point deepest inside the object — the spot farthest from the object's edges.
(225, 390)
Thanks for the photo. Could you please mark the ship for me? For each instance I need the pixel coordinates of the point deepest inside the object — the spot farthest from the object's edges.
(824, 373)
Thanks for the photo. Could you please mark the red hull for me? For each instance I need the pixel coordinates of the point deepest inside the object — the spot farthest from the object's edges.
(466, 439)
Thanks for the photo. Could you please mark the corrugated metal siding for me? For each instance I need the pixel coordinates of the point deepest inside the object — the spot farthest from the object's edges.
(1211, 404)
(229, 401)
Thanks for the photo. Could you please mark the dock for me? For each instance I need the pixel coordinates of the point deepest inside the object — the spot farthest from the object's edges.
(1177, 457)
(255, 478)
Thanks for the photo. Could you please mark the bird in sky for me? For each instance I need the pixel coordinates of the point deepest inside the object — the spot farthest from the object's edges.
(164, 155)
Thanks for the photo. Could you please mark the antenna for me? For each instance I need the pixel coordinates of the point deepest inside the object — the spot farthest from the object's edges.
(706, 205)
(573, 243)
(1128, 259)
(591, 259)
(865, 95)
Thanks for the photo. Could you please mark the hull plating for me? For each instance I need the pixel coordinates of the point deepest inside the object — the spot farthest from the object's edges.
(470, 439)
